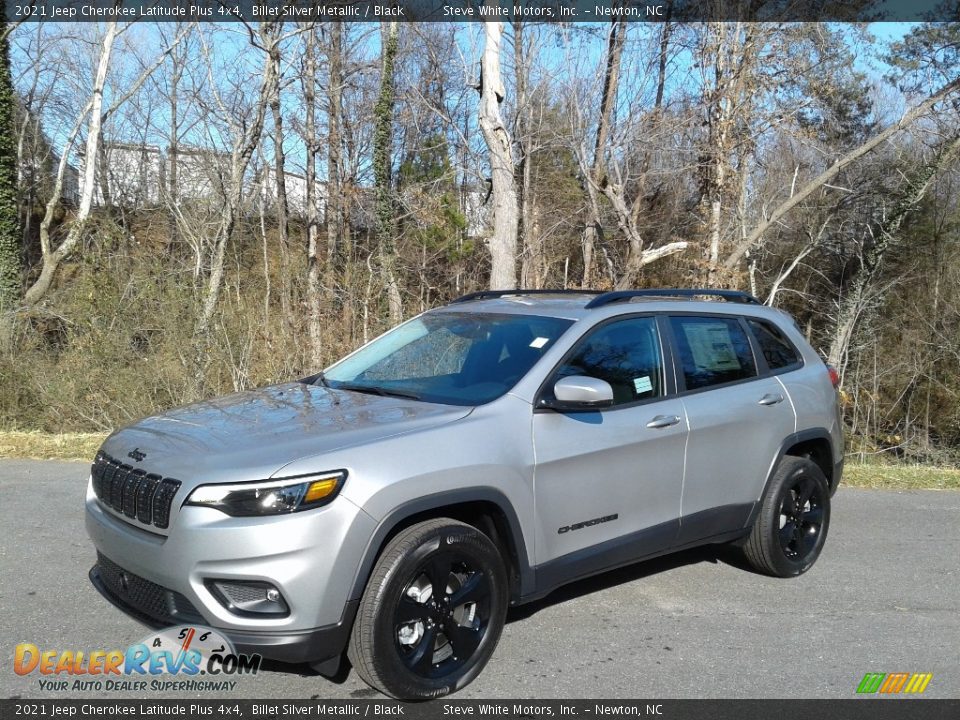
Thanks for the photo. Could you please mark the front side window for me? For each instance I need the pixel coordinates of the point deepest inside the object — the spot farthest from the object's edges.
(457, 358)
(624, 353)
(713, 350)
(777, 350)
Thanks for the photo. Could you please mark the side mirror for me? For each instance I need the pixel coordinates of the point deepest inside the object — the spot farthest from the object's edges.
(579, 392)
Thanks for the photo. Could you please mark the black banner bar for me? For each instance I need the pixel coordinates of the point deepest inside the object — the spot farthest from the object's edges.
(479, 10)
(872, 708)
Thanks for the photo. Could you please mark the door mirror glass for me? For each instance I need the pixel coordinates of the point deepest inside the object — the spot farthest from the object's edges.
(579, 392)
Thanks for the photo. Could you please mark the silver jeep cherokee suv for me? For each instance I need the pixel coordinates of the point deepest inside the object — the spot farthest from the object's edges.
(475, 457)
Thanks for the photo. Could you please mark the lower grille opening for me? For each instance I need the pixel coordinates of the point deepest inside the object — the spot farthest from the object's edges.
(155, 601)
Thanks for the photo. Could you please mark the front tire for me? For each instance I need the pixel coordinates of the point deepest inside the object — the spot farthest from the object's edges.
(432, 611)
(789, 532)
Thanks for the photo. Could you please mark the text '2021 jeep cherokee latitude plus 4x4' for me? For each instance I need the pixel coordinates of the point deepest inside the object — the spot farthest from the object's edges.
(476, 456)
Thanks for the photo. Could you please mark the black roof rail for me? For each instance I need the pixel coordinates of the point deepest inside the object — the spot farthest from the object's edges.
(736, 296)
(488, 294)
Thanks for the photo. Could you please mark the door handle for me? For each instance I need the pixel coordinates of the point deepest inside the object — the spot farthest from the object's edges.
(770, 399)
(662, 421)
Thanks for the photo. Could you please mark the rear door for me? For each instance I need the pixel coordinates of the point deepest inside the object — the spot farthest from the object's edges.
(739, 414)
(608, 482)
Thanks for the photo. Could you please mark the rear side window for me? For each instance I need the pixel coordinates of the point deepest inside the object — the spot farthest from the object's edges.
(713, 350)
(625, 353)
(777, 350)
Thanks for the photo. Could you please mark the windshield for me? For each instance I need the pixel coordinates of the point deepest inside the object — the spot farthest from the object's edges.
(449, 357)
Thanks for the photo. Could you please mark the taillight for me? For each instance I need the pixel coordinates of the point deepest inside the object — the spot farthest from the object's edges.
(834, 376)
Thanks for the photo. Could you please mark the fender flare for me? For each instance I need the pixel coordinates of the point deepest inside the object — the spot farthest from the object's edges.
(437, 501)
(817, 433)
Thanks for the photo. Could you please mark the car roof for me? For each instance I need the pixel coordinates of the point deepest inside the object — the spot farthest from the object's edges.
(564, 306)
(573, 305)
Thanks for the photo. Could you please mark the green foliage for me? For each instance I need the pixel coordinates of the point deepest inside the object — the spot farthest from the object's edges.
(840, 108)
(10, 274)
(427, 178)
(429, 162)
(382, 141)
(929, 52)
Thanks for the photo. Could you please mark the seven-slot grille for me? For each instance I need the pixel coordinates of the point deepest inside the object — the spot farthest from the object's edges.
(133, 492)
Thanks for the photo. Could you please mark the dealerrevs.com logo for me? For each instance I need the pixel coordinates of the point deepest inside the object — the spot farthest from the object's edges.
(185, 652)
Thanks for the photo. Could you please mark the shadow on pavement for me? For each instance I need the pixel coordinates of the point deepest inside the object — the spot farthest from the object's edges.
(605, 580)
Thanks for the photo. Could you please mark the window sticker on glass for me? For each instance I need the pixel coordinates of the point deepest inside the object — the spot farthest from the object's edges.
(711, 346)
(539, 342)
(642, 384)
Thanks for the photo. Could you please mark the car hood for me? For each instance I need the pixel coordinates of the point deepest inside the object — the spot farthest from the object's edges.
(252, 435)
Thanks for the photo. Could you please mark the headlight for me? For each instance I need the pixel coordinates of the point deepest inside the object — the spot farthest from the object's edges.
(273, 497)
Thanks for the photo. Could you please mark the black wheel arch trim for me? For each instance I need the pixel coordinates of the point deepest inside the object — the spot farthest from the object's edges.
(818, 433)
(437, 502)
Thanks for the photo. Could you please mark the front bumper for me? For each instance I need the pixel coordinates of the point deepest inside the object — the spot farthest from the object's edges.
(311, 557)
(314, 645)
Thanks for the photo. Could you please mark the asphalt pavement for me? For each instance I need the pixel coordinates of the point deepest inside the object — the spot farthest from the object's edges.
(883, 597)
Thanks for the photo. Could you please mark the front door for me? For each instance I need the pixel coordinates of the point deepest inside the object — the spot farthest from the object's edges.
(608, 483)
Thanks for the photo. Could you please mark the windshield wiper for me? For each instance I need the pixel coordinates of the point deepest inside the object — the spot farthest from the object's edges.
(376, 390)
(321, 380)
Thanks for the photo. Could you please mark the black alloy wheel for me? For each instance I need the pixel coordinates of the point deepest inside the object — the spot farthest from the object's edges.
(442, 615)
(792, 522)
(432, 612)
(801, 518)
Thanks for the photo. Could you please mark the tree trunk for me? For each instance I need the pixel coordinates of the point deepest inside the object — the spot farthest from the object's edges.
(51, 258)
(503, 242)
(281, 207)
(611, 79)
(312, 148)
(173, 149)
(382, 142)
(334, 208)
(10, 238)
(526, 229)
(724, 45)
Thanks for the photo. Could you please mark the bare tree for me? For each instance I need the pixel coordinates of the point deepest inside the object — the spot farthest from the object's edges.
(308, 80)
(246, 132)
(596, 173)
(866, 288)
(52, 256)
(338, 232)
(730, 53)
(503, 242)
(281, 206)
(811, 186)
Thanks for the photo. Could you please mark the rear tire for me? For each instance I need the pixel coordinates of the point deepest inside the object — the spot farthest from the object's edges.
(791, 527)
(432, 612)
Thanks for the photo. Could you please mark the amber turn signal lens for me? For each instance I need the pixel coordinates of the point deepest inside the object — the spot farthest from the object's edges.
(320, 489)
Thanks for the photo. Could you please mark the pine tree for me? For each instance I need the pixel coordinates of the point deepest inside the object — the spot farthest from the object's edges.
(9, 216)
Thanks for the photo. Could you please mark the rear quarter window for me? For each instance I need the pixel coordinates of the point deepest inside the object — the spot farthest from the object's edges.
(777, 350)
